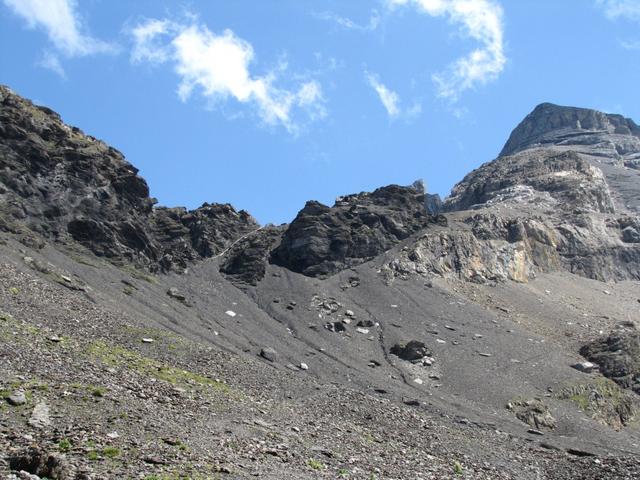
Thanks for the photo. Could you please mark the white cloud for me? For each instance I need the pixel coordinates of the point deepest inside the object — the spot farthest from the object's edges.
(389, 98)
(61, 22)
(345, 22)
(615, 9)
(478, 19)
(50, 61)
(218, 66)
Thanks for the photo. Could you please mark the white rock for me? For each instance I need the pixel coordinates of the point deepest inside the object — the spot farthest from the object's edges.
(586, 367)
(362, 330)
(439, 340)
(304, 366)
(418, 381)
(231, 313)
(113, 435)
(349, 313)
(148, 340)
(40, 416)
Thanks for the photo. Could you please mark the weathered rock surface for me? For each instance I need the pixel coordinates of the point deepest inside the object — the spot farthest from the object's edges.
(618, 356)
(551, 201)
(323, 240)
(58, 183)
(246, 260)
(553, 124)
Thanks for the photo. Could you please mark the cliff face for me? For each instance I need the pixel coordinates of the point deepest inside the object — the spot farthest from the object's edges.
(564, 194)
(58, 183)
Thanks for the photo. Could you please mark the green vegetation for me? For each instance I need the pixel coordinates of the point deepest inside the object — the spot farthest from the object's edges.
(64, 445)
(92, 455)
(111, 452)
(343, 472)
(457, 468)
(14, 291)
(98, 391)
(315, 464)
(138, 274)
(116, 356)
(604, 400)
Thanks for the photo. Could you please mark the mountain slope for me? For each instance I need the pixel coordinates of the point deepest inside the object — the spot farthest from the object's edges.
(369, 339)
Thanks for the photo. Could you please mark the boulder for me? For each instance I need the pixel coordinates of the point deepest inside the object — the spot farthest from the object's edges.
(413, 350)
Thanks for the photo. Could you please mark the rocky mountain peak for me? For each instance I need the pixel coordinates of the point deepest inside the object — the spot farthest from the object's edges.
(58, 183)
(554, 124)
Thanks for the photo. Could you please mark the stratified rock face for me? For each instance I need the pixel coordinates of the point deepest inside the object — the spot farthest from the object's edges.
(560, 197)
(324, 240)
(58, 183)
(550, 124)
(535, 179)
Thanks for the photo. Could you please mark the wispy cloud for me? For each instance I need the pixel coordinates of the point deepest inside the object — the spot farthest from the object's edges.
(478, 19)
(218, 65)
(347, 23)
(61, 22)
(388, 97)
(614, 9)
(50, 61)
(391, 100)
(630, 44)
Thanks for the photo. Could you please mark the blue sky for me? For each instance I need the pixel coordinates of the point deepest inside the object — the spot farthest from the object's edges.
(268, 103)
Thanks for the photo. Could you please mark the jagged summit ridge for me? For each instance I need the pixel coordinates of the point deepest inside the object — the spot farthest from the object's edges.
(554, 124)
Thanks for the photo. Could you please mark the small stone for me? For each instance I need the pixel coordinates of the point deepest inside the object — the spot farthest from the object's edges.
(17, 398)
(349, 313)
(269, 354)
(418, 381)
(55, 339)
(148, 340)
(449, 327)
(362, 330)
(535, 432)
(439, 340)
(113, 435)
(483, 354)
(231, 313)
(304, 366)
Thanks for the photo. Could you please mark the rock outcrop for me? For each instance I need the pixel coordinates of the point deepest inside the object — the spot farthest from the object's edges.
(60, 184)
(323, 240)
(618, 356)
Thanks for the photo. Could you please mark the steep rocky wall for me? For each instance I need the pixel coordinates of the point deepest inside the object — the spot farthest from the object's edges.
(60, 184)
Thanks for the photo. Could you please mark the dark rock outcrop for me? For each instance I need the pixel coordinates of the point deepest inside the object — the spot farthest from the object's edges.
(618, 356)
(323, 240)
(245, 262)
(60, 184)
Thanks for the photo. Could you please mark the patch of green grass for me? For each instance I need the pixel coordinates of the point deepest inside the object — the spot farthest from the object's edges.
(14, 291)
(604, 400)
(343, 472)
(92, 455)
(139, 274)
(116, 356)
(111, 452)
(457, 468)
(64, 445)
(98, 391)
(315, 464)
